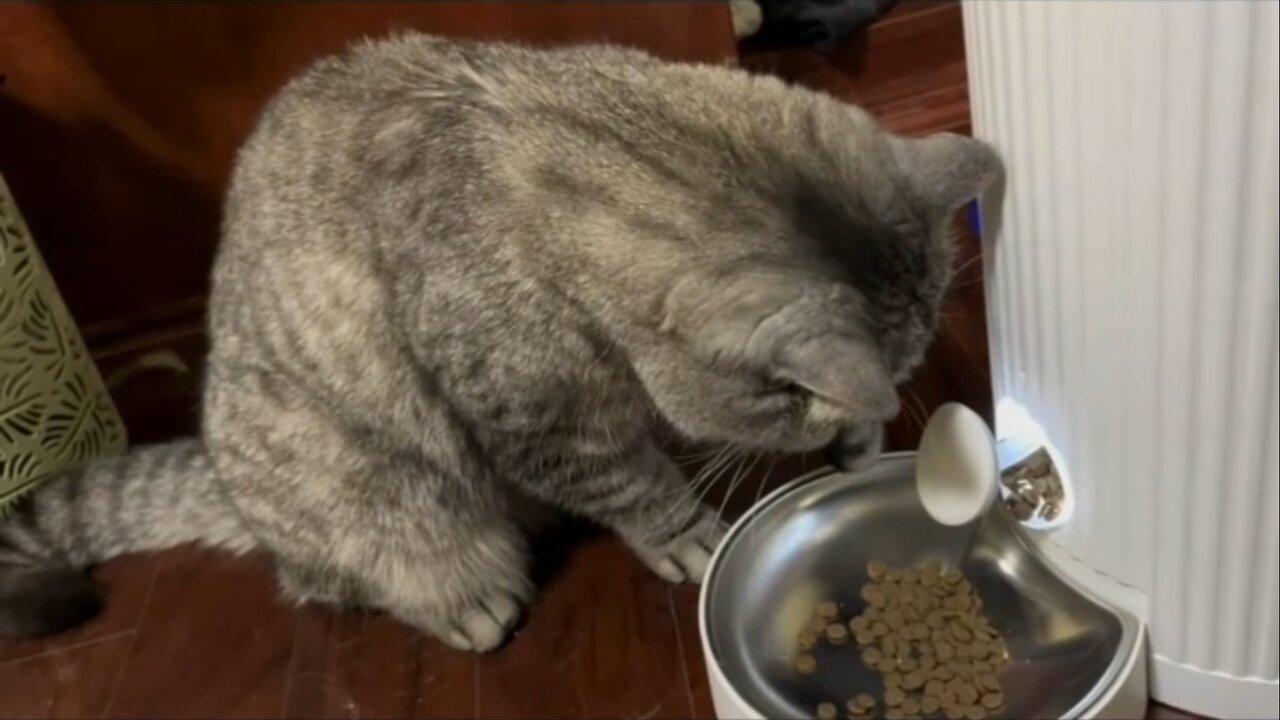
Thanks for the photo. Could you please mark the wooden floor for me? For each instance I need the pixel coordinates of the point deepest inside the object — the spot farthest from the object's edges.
(194, 634)
(190, 633)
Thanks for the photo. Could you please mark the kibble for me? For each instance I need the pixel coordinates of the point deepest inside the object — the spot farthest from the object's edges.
(913, 680)
(862, 706)
(922, 630)
(1034, 489)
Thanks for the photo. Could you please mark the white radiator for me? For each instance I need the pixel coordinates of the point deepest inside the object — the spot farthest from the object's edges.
(1132, 289)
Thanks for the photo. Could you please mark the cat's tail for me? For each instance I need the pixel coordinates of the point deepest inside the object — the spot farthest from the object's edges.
(152, 498)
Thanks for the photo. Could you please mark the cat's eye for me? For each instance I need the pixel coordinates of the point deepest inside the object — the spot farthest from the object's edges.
(785, 386)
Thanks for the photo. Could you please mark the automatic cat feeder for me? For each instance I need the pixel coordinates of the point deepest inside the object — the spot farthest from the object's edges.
(1132, 289)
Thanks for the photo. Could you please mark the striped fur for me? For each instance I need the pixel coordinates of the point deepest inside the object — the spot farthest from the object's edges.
(153, 498)
(458, 280)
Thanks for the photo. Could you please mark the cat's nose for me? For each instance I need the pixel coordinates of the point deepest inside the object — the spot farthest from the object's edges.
(856, 447)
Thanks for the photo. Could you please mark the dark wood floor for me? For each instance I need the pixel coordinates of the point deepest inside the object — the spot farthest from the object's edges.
(190, 633)
(194, 634)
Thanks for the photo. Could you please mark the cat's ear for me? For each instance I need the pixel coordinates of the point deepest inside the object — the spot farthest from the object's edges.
(946, 170)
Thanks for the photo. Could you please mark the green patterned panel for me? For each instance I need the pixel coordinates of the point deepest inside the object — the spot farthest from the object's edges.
(54, 408)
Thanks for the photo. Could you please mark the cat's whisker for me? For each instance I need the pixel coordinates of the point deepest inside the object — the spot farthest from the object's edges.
(764, 480)
(693, 457)
(968, 283)
(724, 465)
(967, 264)
(701, 482)
(920, 406)
(911, 412)
(961, 341)
(686, 514)
(723, 455)
(739, 475)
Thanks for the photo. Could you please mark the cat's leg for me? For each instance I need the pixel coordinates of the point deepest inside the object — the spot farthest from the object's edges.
(425, 536)
(643, 497)
(453, 567)
(466, 597)
(306, 583)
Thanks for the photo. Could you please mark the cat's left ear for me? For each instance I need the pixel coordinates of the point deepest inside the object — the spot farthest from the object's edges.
(946, 170)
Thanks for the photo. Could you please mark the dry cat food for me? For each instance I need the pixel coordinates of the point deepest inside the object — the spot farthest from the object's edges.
(924, 633)
(1035, 489)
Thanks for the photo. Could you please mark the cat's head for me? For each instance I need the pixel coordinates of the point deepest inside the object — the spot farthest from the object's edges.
(770, 260)
(783, 332)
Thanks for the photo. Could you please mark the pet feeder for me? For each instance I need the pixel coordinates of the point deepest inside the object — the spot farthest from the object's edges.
(1131, 275)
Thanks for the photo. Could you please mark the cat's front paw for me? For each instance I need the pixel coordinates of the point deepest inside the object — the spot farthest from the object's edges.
(683, 558)
(482, 626)
(857, 447)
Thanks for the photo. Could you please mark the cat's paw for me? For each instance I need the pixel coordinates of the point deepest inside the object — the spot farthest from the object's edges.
(747, 17)
(857, 447)
(482, 626)
(685, 557)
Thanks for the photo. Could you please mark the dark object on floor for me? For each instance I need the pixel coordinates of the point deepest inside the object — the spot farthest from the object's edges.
(36, 601)
(821, 24)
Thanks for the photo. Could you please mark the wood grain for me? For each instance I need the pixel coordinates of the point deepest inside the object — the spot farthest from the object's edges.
(72, 681)
(363, 665)
(600, 643)
(215, 642)
(126, 585)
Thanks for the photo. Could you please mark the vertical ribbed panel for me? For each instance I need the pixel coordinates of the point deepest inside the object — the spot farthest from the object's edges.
(1133, 293)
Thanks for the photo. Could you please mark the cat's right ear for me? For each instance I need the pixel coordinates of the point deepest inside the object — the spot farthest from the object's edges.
(945, 170)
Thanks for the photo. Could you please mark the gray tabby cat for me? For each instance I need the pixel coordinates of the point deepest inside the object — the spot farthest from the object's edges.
(458, 277)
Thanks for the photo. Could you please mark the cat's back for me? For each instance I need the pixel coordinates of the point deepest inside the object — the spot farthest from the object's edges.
(408, 120)
(370, 178)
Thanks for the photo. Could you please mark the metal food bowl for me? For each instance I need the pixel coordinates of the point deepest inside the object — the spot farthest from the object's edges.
(811, 541)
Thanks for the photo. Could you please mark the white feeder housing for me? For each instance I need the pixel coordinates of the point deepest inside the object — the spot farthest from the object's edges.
(1132, 296)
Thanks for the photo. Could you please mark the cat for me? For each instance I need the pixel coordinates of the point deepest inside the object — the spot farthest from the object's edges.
(460, 280)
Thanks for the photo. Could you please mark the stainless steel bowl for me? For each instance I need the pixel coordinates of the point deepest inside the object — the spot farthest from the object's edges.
(812, 540)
